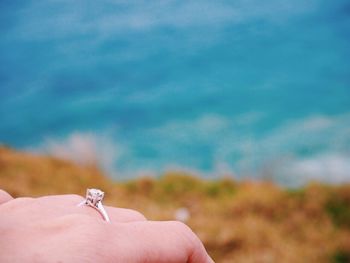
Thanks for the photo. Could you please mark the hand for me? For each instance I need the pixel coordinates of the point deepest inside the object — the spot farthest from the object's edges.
(55, 229)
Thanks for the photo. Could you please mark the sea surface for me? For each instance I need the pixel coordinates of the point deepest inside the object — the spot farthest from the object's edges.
(257, 89)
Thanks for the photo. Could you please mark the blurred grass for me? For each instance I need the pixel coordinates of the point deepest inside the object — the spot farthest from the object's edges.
(245, 221)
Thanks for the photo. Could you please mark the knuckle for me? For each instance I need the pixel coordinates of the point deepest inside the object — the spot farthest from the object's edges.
(186, 232)
(22, 201)
(19, 202)
(179, 226)
(75, 197)
(60, 198)
(3, 192)
(4, 196)
(136, 215)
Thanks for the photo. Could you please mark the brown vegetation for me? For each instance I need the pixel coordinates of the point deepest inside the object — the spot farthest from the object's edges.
(237, 221)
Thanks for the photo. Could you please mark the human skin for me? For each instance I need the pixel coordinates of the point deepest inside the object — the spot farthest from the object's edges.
(55, 229)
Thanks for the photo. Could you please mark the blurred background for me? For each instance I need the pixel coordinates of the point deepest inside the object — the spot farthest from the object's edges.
(222, 106)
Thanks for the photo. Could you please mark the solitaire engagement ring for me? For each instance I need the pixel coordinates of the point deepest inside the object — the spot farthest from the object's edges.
(94, 199)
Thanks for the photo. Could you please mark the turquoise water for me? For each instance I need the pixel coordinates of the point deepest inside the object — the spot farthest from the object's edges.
(241, 87)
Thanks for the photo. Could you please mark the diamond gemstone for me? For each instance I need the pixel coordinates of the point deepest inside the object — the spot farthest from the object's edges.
(93, 196)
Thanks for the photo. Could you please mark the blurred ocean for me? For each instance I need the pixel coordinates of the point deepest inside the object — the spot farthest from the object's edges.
(250, 88)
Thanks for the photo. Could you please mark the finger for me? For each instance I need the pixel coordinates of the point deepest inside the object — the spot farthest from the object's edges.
(124, 215)
(170, 241)
(120, 215)
(4, 197)
(68, 204)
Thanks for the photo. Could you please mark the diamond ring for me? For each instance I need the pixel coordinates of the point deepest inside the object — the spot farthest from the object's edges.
(94, 199)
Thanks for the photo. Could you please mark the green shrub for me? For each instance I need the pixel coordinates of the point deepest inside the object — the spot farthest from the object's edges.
(223, 187)
(339, 209)
(341, 256)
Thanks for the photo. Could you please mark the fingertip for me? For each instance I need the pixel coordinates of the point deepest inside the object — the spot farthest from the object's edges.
(158, 241)
(4, 197)
(196, 250)
(210, 260)
(199, 253)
